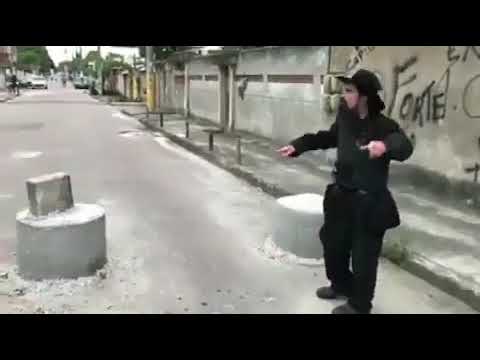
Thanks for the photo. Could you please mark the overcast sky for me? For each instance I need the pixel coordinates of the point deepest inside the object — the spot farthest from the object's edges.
(60, 53)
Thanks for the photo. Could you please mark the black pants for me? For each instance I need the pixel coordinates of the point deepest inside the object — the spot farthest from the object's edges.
(346, 236)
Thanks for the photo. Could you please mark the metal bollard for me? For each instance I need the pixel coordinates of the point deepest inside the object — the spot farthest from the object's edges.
(210, 141)
(161, 120)
(475, 170)
(187, 129)
(239, 151)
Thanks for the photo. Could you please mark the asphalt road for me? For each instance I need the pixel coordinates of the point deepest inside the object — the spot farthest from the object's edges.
(183, 235)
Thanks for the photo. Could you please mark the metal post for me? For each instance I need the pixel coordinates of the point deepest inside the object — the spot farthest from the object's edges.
(161, 120)
(210, 141)
(187, 129)
(186, 93)
(99, 70)
(150, 82)
(239, 150)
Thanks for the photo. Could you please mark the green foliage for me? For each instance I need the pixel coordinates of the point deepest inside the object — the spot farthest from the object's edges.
(111, 62)
(160, 52)
(34, 57)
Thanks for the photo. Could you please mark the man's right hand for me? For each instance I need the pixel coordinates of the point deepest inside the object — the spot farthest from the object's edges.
(286, 151)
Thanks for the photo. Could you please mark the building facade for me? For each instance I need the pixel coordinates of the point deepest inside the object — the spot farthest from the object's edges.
(8, 59)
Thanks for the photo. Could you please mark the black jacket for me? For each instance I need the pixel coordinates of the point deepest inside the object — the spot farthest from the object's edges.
(354, 168)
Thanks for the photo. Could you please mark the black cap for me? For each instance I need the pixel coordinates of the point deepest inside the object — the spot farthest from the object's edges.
(365, 81)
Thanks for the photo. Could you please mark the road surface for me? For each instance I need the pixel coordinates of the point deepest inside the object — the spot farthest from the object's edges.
(183, 235)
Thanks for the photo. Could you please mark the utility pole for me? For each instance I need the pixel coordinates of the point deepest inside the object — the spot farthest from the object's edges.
(99, 70)
(150, 78)
(134, 93)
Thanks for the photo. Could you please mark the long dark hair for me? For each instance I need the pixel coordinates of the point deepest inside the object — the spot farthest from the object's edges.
(375, 104)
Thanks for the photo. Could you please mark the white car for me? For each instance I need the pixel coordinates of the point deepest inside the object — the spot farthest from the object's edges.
(38, 82)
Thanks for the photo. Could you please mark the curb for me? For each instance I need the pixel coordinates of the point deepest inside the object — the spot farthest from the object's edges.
(444, 279)
(270, 189)
(439, 276)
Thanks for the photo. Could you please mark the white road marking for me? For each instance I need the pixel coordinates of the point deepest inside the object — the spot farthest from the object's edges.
(26, 154)
(122, 116)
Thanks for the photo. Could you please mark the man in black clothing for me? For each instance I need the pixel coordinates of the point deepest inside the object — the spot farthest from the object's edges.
(358, 206)
(14, 85)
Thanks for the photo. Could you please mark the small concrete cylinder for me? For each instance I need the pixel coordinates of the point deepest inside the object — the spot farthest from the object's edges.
(66, 245)
(296, 225)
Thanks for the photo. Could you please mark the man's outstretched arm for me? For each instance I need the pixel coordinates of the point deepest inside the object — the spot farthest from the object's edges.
(322, 140)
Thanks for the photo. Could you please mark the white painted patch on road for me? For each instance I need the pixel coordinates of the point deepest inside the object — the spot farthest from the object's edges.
(168, 145)
(6, 196)
(36, 93)
(122, 116)
(305, 203)
(26, 154)
(130, 133)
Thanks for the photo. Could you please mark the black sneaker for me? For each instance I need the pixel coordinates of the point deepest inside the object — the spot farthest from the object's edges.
(327, 293)
(346, 309)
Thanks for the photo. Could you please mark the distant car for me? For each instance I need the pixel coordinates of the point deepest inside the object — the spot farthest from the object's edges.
(39, 82)
(24, 83)
(81, 83)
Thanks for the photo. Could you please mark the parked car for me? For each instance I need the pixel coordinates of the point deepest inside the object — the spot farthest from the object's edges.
(81, 83)
(24, 83)
(39, 82)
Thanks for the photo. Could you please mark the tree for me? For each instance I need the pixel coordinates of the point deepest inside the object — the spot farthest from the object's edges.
(34, 57)
(160, 52)
(111, 63)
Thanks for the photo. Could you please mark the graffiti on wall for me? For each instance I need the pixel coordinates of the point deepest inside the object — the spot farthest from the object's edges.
(454, 55)
(472, 88)
(421, 103)
(359, 53)
(429, 104)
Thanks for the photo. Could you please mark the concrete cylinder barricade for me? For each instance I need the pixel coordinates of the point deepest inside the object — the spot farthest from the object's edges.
(64, 245)
(296, 224)
(57, 239)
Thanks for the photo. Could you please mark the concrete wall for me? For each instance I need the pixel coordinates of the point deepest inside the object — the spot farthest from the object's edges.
(120, 84)
(282, 109)
(3, 82)
(433, 92)
(143, 86)
(203, 93)
(179, 90)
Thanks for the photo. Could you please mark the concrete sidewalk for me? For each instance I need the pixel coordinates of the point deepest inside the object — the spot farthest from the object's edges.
(437, 241)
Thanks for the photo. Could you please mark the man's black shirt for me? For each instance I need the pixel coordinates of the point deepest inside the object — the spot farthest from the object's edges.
(354, 168)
